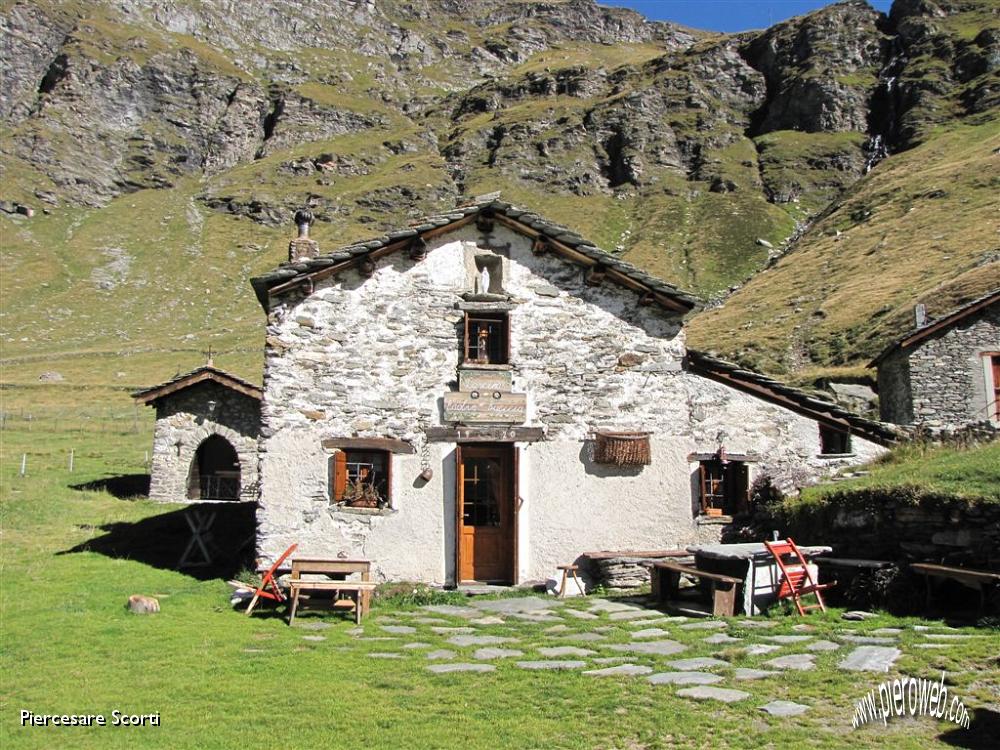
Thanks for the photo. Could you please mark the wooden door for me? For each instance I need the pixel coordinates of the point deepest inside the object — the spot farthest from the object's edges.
(485, 513)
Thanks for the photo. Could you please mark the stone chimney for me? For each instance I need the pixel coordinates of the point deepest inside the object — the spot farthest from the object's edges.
(302, 247)
(920, 315)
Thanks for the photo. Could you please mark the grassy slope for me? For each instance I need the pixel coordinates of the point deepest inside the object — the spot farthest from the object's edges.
(69, 646)
(827, 305)
(972, 474)
(920, 227)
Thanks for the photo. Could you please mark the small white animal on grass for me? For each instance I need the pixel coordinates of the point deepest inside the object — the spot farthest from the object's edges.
(142, 605)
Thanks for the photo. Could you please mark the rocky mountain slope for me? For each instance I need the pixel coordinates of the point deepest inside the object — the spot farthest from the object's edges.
(815, 178)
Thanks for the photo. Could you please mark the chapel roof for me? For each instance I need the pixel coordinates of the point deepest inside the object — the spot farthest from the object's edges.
(205, 373)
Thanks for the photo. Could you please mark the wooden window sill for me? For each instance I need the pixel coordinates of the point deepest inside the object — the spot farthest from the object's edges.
(363, 511)
(704, 520)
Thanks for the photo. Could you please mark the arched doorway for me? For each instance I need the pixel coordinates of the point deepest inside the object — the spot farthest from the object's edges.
(215, 471)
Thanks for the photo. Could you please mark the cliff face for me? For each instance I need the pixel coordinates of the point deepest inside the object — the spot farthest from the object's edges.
(703, 157)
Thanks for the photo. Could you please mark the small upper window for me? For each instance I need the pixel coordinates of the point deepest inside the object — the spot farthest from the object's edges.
(833, 442)
(487, 338)
(361, 478)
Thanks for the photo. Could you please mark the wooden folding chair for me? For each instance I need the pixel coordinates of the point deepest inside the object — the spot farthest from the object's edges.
(269, 588)
(796, 578)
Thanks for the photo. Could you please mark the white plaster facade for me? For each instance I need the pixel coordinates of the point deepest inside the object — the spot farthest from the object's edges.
(373, 357)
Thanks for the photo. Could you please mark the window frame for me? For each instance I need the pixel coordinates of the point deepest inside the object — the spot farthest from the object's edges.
(826, 433)
(492, 317)
(339, 475)
(735, 500)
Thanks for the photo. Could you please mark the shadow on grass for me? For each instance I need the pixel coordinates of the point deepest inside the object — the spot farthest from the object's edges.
(983, 731)
(123, 487)
(161, 540)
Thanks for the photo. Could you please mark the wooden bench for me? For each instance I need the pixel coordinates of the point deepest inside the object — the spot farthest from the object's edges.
(358, 592)
(666, 579)
(979, 580)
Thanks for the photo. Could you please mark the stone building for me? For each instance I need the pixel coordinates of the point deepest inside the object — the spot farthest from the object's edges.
(485, 395)
(205, 438)
(945, 374)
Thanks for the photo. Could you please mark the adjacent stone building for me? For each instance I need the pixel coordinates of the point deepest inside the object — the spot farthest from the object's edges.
(205, 439)
(945, 374)
(485, 395)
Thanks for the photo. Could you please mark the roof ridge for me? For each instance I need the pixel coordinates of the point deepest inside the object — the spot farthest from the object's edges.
(290, 273)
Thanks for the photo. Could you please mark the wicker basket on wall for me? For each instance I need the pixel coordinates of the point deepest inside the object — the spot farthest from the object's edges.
(622, 448)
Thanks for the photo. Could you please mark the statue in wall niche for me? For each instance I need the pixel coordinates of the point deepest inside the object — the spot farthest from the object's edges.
(488, 276)
(484, 340)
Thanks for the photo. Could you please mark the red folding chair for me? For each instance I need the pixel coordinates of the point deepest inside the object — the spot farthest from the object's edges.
(269, 588)
(796, 578)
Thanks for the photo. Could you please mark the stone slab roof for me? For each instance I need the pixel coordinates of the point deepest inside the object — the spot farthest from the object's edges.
(205, 373)
(917, 335)
(555, 237)
(796, 400)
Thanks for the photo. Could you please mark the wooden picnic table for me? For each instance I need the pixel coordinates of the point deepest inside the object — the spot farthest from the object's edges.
(315, 574)
(979, 580)
(751, 562)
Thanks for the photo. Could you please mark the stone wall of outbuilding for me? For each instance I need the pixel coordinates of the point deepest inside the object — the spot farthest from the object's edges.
(944, 381)
(184, 420)
(374, 357)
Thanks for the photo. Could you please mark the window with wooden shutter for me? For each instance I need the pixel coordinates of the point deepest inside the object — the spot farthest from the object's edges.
(361, 478)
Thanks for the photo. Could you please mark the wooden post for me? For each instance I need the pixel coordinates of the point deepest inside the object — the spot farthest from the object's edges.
(24, 463)
(71, 457)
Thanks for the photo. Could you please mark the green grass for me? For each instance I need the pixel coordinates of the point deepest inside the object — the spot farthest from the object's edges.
(220, 679)
(972, 473)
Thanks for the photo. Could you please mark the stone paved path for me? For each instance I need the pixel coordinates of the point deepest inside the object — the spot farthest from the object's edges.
(628, 670)
(479, 640)
(744, 673)
(661, 648)
(461, 667)
(704, 625)
(496, 653)
(552, 664)
(698, 662)
(707, 692)
(870, 659)
(684, 678)
(799, 662)
(784, 708)
(565, 651)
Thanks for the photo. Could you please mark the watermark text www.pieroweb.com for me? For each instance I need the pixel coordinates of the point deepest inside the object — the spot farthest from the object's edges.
(910, 696)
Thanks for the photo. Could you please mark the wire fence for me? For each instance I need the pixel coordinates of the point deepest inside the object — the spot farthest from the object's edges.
(94, 419)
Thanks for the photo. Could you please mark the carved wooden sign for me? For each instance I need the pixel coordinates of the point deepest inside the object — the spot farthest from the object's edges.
(485, 407)
(484, 380)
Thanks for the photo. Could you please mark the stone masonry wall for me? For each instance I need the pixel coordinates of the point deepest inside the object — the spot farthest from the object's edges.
(183, 422)
(374, 357)
(895, 402)
(949, 381)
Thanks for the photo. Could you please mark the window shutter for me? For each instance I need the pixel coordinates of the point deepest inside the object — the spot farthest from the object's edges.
(338, 476)
(703, 475)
